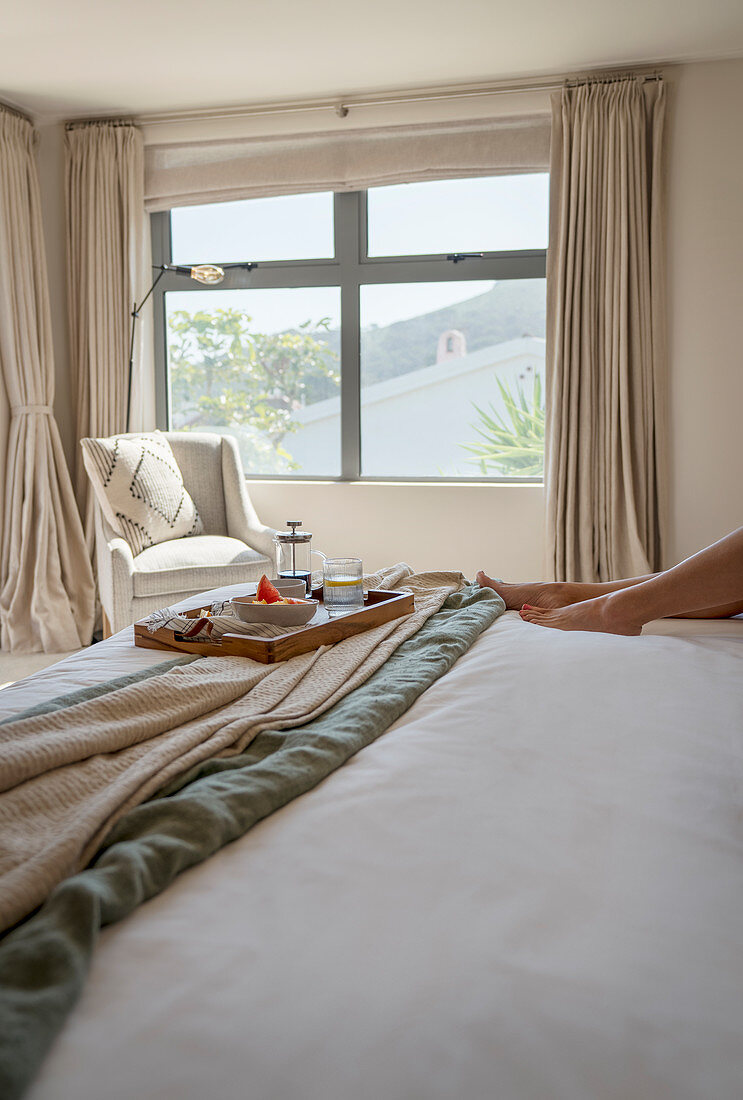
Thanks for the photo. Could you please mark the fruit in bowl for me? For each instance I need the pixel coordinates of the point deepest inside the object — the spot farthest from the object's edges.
(269, 606)
(279, 588)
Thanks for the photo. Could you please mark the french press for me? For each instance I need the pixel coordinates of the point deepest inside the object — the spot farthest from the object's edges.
(294, 554)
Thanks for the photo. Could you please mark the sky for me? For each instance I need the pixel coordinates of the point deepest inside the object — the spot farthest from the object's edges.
(475, 215)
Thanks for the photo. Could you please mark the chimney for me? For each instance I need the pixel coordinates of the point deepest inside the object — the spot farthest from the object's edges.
(452, 345)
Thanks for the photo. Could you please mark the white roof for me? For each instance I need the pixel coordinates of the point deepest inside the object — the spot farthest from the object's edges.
(495, 355)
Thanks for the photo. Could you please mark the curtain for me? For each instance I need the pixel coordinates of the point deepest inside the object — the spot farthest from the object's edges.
(46, 584)
(188, 173)
(606, 438)
(108, 259)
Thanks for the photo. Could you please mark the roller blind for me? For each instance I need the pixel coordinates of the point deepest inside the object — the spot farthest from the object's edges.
(190, 173)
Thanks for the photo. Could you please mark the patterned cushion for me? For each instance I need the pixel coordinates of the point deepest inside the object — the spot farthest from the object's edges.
(140, 489)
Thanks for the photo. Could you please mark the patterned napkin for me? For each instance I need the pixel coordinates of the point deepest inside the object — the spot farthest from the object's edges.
(212, 623)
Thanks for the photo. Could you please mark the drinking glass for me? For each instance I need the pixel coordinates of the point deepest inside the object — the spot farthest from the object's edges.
(343, 586)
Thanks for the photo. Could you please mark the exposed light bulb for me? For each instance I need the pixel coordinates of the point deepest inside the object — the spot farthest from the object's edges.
(207, 273)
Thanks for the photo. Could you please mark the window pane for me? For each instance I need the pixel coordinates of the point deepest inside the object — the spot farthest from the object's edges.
(454, 389)
(492, 214)
(260, 365)
(289, 227)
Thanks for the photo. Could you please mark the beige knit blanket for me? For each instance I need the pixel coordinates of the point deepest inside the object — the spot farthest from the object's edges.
(66, 777)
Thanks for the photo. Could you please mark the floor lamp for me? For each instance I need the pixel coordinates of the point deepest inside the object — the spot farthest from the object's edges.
(208, 274)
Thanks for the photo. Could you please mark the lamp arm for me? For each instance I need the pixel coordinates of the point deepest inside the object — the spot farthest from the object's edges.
(135, 315)
(163, 269)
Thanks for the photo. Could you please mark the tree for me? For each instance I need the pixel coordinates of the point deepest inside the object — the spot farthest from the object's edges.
(513, 444)
(222, 374)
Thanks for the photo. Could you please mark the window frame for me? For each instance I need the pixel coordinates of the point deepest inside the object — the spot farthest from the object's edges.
(349, 269)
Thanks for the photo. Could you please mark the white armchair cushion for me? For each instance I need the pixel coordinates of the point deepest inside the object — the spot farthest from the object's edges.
(194, 564)
(140, 489)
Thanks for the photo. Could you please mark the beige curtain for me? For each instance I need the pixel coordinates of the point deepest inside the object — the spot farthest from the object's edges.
(46, 585)
(186, 173)
(605, 462)
(109, 267)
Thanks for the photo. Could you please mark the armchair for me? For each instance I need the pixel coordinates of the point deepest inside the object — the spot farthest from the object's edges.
(235, 546)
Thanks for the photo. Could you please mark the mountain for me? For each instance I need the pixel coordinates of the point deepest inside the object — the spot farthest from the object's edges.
(509, 310)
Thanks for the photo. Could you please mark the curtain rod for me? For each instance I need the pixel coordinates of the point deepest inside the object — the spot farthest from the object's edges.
(81, 123)
(343, 104)
(609, 78)
(14, 111)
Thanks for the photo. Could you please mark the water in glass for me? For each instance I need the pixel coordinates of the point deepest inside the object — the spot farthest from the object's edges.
(343, 588)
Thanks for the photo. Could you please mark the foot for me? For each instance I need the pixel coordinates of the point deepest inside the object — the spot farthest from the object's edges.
(540, 593)
(600, 614)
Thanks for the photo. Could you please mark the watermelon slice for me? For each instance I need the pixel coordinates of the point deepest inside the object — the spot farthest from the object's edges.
(266, 591)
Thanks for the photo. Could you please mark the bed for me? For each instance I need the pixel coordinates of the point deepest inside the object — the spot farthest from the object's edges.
(529, 887)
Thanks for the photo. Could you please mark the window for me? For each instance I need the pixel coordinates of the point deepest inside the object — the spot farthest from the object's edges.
(394, 334)
(288, 227)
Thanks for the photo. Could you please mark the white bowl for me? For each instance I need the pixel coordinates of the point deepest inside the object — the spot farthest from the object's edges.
(279, 614)
(294, 589)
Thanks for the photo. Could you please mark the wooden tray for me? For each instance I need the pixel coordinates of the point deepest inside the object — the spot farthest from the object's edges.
(380, 606)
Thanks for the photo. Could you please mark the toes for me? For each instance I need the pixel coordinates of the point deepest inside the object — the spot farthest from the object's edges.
(484, 580)
(533, 614)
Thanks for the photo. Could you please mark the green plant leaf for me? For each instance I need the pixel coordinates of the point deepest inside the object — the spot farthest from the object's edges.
(512, 440)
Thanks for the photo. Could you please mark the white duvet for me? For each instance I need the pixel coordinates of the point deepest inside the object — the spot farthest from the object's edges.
(530, 887)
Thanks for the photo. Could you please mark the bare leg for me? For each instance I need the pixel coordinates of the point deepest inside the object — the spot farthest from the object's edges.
(709, 582)
(724, 611)
(553, 593)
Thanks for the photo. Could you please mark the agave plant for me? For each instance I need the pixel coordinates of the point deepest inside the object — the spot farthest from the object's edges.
(512, 443)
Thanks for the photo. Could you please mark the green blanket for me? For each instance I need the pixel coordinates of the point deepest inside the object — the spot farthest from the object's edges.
(44, 961)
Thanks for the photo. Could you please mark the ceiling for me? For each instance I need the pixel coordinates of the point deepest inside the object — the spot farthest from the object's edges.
(88, 57)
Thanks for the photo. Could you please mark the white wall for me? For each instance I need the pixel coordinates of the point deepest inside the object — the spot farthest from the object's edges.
(705, 250)
(498, 528)
(501, 527)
